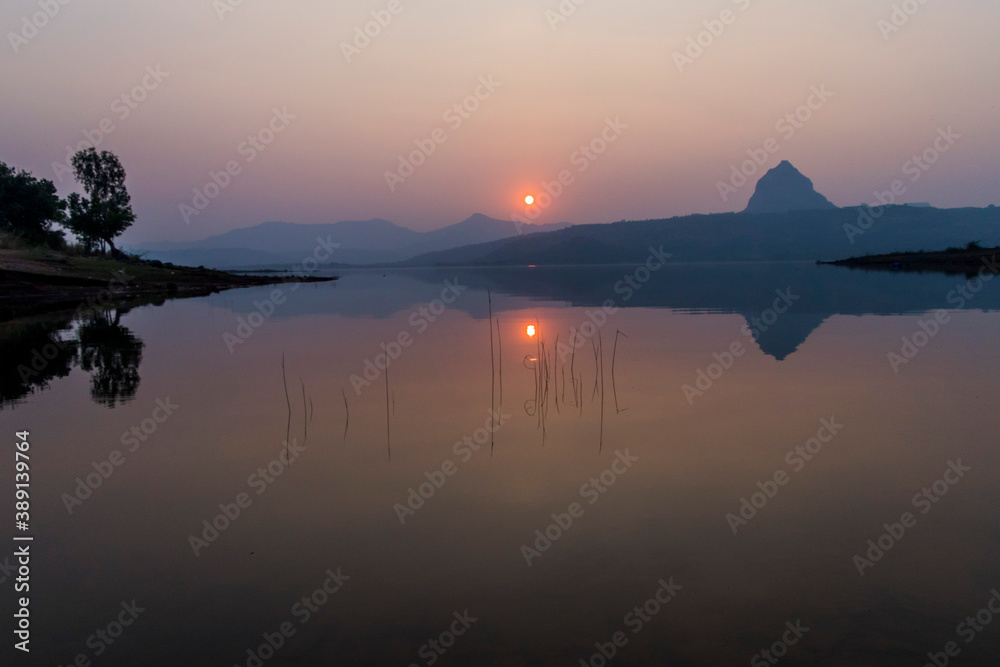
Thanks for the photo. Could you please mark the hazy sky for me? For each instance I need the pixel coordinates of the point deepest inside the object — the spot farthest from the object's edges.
(559, 84)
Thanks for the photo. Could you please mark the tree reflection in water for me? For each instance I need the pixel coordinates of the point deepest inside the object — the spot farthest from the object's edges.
(111, 353)
(40, 349)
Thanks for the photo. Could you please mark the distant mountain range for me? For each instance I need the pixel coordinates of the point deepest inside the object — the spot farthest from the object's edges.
(360, 242)
(787, 219)
(736, 237)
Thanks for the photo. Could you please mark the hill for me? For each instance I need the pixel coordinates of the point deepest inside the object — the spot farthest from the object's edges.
(796, 235)
(359, 242)
(34, 280)
(784, 189)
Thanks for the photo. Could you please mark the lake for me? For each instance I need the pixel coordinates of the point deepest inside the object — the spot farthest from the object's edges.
(690, 465)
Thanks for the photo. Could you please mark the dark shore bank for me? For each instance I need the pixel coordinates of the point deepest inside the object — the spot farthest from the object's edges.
(954, 261)
(35, 281)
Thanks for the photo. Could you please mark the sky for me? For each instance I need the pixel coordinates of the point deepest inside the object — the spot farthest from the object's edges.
(643, 108)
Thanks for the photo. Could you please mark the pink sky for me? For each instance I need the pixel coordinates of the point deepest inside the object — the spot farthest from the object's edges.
(554, 87)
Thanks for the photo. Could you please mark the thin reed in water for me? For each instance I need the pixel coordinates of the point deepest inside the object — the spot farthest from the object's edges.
(288, 402)
(388, 439)
(489, 300)
(614, 356)
(347, 409)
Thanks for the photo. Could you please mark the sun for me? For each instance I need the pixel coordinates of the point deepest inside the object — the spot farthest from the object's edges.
(531, 331)
(529, 200)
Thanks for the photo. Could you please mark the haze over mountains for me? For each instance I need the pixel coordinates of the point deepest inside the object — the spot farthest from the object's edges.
(360, 242)
(786, 219)
(796, 235)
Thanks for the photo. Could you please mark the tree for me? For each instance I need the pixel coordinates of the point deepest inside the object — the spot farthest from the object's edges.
(29, 206)
(106, 212)
(83, 223)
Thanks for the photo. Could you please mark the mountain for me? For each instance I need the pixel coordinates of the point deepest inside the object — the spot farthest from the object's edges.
(785, 189)
(795, 235)
(477, 229)
(787, 220)
(360, 242)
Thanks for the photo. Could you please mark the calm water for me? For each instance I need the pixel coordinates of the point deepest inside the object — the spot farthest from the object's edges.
(655, 477)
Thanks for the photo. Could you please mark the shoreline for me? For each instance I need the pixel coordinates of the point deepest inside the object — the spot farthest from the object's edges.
(952, 262)
(34, 282)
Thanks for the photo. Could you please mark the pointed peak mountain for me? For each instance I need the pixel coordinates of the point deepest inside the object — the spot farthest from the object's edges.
(784, 188)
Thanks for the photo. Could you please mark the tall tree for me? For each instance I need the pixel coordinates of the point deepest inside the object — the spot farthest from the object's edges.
(29, 206)
(83, 222)
(106, 211)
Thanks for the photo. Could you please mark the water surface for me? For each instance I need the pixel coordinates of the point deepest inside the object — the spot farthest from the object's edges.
(692, 458)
